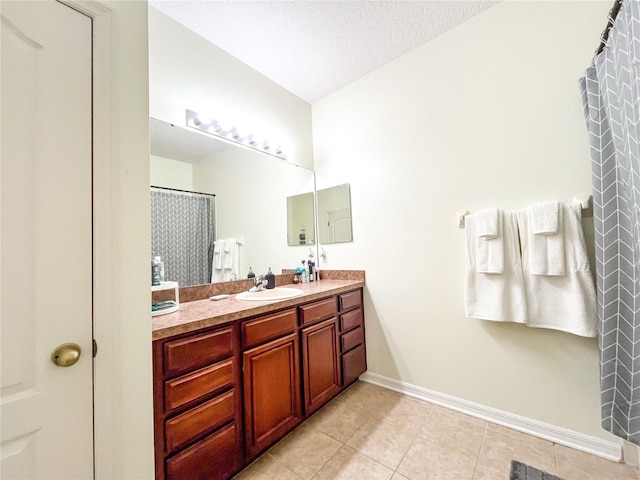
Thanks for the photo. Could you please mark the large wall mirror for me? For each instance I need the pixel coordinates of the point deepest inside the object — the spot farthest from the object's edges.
(251, 195)
(334, 214)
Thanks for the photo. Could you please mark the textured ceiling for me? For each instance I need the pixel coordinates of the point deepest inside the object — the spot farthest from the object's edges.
(313, 48)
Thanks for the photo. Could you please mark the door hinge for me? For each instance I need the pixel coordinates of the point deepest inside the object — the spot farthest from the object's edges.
(95, 348)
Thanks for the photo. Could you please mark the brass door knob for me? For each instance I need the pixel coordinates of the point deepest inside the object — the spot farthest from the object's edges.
(66, 354)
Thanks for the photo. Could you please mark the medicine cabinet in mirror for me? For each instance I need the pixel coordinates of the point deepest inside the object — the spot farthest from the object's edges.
(334, 214)
(251, 195)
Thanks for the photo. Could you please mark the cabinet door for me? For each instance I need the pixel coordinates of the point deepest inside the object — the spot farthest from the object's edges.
(321, 366)
(272, 400)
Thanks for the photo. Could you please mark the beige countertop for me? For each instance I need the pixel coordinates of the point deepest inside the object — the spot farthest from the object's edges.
(200, 314)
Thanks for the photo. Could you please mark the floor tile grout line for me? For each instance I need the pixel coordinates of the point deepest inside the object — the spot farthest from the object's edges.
(407, 451)
(484, 438)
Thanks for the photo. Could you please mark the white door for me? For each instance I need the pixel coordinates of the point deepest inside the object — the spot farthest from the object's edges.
(45, 241)
(338, 226)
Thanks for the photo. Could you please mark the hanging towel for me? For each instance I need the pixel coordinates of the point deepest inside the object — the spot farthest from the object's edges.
(489, 241)
(498, 297)
(568, 302)
(218, 245)
(544, 218)
(546, 249)
(230, 250)
(487, 223)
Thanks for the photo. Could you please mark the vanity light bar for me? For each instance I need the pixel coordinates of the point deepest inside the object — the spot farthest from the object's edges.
(231, 134)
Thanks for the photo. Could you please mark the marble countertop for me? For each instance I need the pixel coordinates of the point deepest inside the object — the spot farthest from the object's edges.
(200, 314)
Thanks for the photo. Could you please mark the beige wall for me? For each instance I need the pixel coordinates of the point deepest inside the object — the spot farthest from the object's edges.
(187, 71)
(169, 173)
(487, 115)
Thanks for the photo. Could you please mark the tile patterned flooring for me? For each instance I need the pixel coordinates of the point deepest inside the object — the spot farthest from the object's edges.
(371, 433)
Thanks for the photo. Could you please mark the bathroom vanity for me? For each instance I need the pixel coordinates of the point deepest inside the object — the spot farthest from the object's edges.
(233, 377)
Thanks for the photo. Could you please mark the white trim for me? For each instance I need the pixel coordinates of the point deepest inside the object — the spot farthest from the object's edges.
(553, 433)
(104, 452)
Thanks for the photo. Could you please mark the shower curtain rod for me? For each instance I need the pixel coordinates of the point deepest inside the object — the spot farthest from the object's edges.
(613, 13)
(184, 191)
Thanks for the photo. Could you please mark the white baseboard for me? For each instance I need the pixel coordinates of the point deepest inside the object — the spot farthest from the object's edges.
(553, 433)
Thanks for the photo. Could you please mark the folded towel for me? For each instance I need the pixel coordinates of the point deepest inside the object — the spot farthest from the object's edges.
(568, 302)
(487, 223)
(217, 254)
(545, 218)
(497, 297)
(489, 250)
(230, 252)
(546, 250)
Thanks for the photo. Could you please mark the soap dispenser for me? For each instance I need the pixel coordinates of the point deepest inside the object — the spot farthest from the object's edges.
(271, 279)
(251, 274)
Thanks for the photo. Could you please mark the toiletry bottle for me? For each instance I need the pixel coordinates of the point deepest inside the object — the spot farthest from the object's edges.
(160, 264)
(251, 274)
(271, 279)
(155, 272)
(305, 274)
(310, 266)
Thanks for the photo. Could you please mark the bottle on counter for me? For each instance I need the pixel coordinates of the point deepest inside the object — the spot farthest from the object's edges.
(310, 266)
(305, 271)
(271, 279)
(251, 274)
(160, 265)
(155, 272)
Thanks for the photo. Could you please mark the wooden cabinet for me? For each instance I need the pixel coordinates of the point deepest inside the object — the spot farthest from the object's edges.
(353, 359)
(197, 406)
(224, 395)
(272, 404)
(321, 364)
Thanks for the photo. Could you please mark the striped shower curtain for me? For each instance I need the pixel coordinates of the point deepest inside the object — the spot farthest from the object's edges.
(182, 235)
(611, 98)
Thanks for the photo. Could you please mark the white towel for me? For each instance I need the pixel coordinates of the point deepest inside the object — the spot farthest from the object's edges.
(568, 302)
(218, 245)
(546, 249)
(488, 223)
(498, 297)
(230, 249)
(489, 241)
(544, 218)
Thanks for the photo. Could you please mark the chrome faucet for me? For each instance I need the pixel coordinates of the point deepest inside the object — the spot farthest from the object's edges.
(260, 283)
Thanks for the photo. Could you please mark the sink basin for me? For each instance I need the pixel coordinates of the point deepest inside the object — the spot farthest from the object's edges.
(278, 293)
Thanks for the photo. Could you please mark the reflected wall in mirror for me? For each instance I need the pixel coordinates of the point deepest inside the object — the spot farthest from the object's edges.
(251, 191)
(334, 214)
(301, 220)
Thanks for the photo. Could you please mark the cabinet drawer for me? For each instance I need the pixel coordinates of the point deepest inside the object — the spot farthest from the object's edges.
(187, 388)
(198, 350)
(201, 419)
(213, 458)
(350, 300)
(354, 363)
(351, 320)
(317, 311)
(351, 339)
(260, 330)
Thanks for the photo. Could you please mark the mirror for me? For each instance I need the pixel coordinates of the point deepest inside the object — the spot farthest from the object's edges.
(251, 192)
(334, 214)
(301, 220)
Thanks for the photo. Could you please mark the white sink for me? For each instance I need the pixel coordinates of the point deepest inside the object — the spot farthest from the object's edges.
(278, 293)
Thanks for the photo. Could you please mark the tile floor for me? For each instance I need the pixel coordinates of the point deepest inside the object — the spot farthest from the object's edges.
(371, 433)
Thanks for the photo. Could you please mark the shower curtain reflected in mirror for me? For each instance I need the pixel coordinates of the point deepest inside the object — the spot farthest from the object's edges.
(611, 98)
(182, 234)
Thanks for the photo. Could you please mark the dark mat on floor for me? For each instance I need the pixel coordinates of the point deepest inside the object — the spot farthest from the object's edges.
(520, 471)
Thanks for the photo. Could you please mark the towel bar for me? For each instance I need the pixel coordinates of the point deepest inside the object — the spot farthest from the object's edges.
(583, 200)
